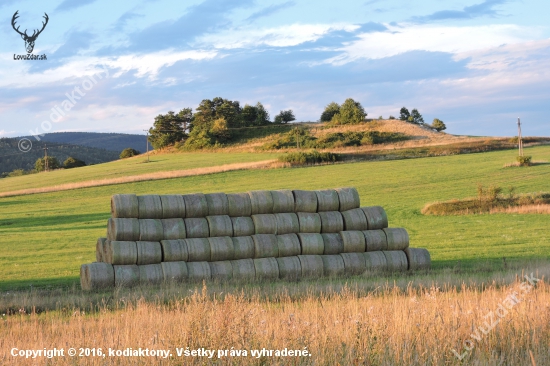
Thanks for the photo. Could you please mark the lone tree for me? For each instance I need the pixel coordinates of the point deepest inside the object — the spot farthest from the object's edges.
(73, 163)
(404, 114)
(40, 164)
(351, 112)
(438, 125)
(284, 117)
(417, 117)
(127, 153)
(329, 112)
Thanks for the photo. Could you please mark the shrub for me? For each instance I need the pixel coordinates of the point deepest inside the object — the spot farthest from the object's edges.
(127, 153)
(41, 166)
(73, 163)
(524, 160)
(309, 158)
(438, 125)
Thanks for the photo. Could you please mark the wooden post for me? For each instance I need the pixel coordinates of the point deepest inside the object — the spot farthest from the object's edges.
(46, 164)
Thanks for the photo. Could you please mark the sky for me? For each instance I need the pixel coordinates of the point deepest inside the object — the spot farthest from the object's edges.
(113, 66)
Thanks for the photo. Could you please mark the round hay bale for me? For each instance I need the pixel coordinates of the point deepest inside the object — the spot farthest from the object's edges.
(418, 258)
(126, 275)
(150, 230)
(354, 263)
(99, 249)
(195, 205)
(123, 229)
(261, 202)
(288, 245)
(150, 206)
(221, 249)
(312, 266)
(265, 245)
(239, 204)
(375, 261)
(120, 252)
(198, 249)
(398, 238)
(95, 276)
(396, 260)
(332, 243)
(150, 274)
(354, 241)
(311, 243)
(266, 268)
(265, 224)
(174, 271)
(243, 226)
(174, 250)
(355, 220)
(243, 269)
(305, 201)
(244, 247)
(376, 240)
(173, 229)
(198, 271)
(327, 200)
(331, 222)
(173, 206)
(309, 222)
(287, 223)
(196, 227)
(124, 206)
(348, 198)
(220, 225)
(221, 271)
(333, 265)
(289, 268)
(376, 217)
(283, 201)
(217, 204)
(148, 252)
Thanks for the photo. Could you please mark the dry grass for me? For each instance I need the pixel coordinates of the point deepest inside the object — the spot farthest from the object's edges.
(528, 209)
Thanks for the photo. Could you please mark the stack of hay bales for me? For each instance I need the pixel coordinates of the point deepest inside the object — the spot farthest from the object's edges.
(280, 234)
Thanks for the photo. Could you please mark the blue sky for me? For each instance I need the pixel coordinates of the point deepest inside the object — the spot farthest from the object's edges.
(477, 65)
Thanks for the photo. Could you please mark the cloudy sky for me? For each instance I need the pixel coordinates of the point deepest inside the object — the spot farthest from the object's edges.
(477, 65)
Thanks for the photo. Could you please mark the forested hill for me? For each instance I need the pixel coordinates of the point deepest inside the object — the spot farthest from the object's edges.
(108, 141)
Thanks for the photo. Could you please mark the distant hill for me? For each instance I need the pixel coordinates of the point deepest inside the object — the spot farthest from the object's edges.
(108, 141)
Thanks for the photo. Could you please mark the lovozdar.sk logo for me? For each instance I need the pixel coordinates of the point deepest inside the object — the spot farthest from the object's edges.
(29, 40)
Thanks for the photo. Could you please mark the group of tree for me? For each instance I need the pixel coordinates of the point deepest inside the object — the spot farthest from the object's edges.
(53, 163)
(350, 112)
(416, 118)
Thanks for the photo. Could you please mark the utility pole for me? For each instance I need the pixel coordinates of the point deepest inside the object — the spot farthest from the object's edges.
(520, 141)
(147, 144)
(46, 163)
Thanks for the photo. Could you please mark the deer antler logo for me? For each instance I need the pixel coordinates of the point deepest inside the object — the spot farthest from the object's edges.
(29, 40)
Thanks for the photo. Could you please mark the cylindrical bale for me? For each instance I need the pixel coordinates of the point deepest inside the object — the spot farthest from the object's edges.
(150, 206)
(239, 204)
(150, 274)
(354, 241)
(243, 226)
(217, 204)
(265, 245)
(198, 271)
(126, 275)
(309, 222)
(354, 263)
(331, 222)
(173, 229)
(195, 205)
(221, 271)
(244, 247)
(265, 224)
(287, 223)
(348, 198)
(173, 206)
(266, 268)
(311, 243)
(332, 243)
(150, 230)
(95, 276)
(327, 200)
(100, 249)
(198, 249)
(196, 227)
(243, 269)
(283, 201)
(288, 245)
(123, 229)
(220, 225)
(174, 250)
(396, 260)
(221, 249)
(376, 217)
(398, 238)
(375, 261)
(355, 219)
(174, 271)
(418, 258)
(289, 268)
(312, 265)
(261, 202)
(124, 206)
(333, 265)
(148, 252)
(120, 252)
(376, 240)
(305, 201)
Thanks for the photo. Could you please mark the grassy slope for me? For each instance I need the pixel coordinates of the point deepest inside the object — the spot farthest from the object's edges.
(45, 238)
